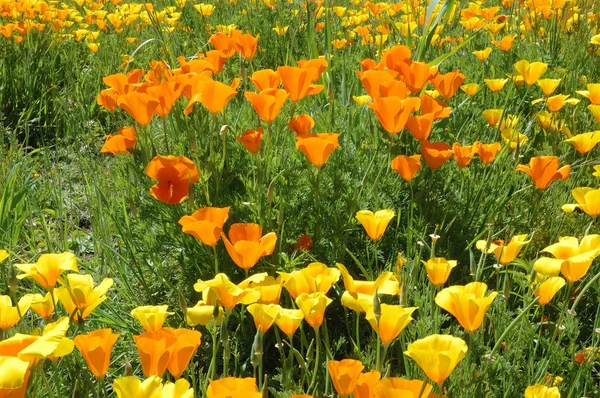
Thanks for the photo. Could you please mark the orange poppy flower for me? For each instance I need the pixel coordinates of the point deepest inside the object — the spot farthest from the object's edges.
(212, 94)
(420, 126)
(372, 79)
(318, 147)
(96, 348)
(298, 81)
(545, 169)
(435, 153)
(448, 84)
(267, 103)
(365, 384)
(407, 166)
(216, 59)
(487, 152)
(174, 176)
(416, 75)
(246, 244)
(319, 64)
(506, 43)
(165, 94)
(265, 78)
(140, 106)
(344, 375)
(223, 43)
(187, 342)
(301, 125)
(205, 224)
(121, 142)
(393, 112)
(246, 45)
(394, 56)
(492, 116)
(370, 64)
(251, 139)
(429, 105)
(155, 350)
(463, 154)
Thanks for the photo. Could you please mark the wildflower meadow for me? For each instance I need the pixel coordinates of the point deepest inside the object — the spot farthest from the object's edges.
(299, 198)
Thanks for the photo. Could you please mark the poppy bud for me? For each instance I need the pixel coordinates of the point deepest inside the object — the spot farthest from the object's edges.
(257, 348)
(128, 368)
(265, 387)
(376, 305)
(182, 303)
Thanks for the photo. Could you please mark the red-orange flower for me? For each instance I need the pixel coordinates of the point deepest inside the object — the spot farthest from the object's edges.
(301, 124)
(121, 142)
(246, 45)
(435, 153)
(407, 166)
(298, 81)
(487, 152)
(393, 112)
(420, 126)
(463, 154)
(140, 106)
(448, 84)
(545, 169)
(246, 244)
(212, 94)
(416, 74)
(251, 139)
(174, 176)
(429, 105)
(318, 147)
(205, 224)
(267, 103)
(265, 78)
(96, 348)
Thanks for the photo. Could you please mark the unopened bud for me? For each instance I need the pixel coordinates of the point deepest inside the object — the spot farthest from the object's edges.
(128, 368)
(182, 303)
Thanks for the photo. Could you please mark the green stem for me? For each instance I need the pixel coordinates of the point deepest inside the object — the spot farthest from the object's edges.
(214, 248)
(317, 359)
(511, 326)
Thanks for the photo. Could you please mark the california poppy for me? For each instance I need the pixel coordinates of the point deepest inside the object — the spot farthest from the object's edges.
(572, 258)
(487, 152)
(165, 94)
(505, 252)
(542, 391)
(492, 116)
(233, 387)
(393, 112)
(121, 142)
(212, 94)
(420, 126)
(251, 140)
(433, 106)
(548, 85)
(43, 305)
(301, 125)
(438, 269)
(376, 223)
(228, 293)
(470, 89)
(187, 342)
(392, 387)
(545, 169)
(435, 153)
(80, 297)
(267, 103)
(588, 201)
(546, 291)
(448, 84)
(585, 142)
(437, 355)
(531, 72)
(495, 85)
(9, 315)
(415, 74)
(205, 224)
(174, 176)
(318, 147)
(265, 78)
(468, 304)
(223, 43)
(246, 45)
(392, 321)
(316, 277)
(592, 93)
(155, 349)
(152, 317)
(246, 244)
(313, 307)
(365, 384)
(48, 268)
(289, 320)
(96, 348)
(264, 315)
(140, 106)
(463, 154)
(406, 166)
(298, 81)
(344, 375)
(483, 55)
